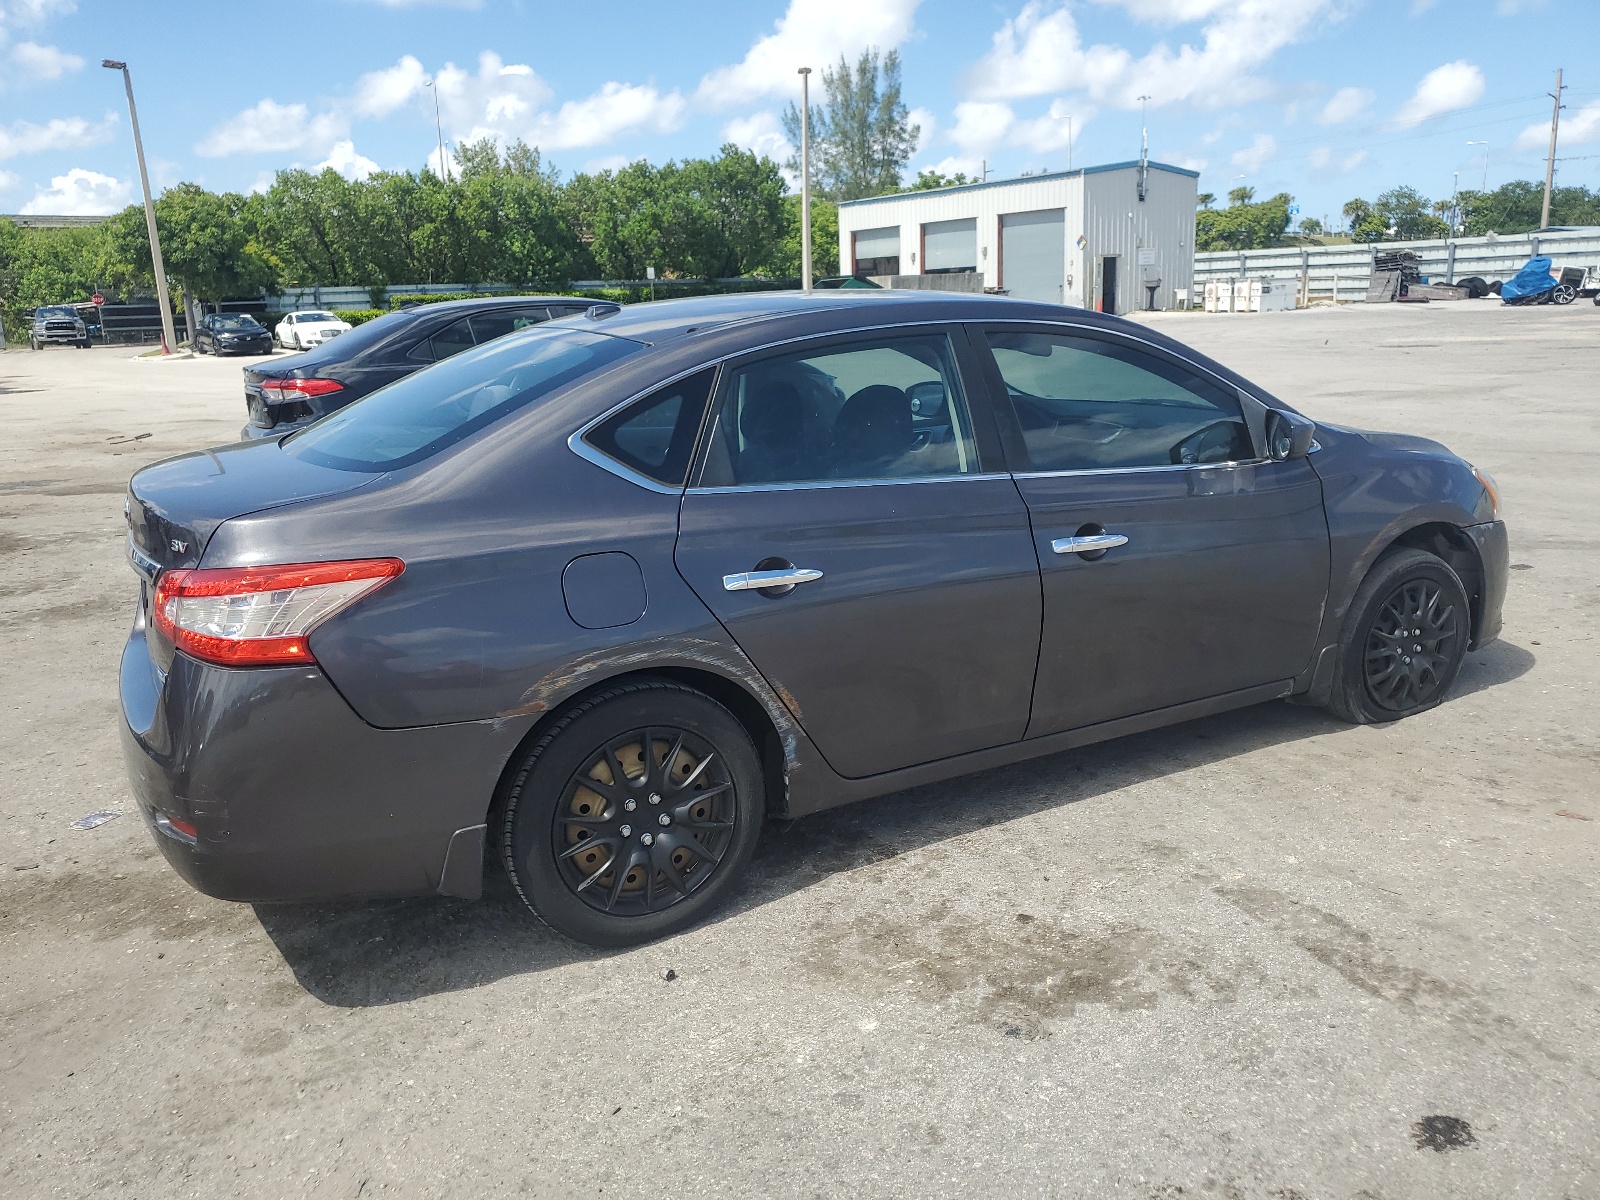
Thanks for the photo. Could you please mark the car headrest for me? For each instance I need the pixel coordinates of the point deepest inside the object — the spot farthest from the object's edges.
(875, 423)
(774, 417)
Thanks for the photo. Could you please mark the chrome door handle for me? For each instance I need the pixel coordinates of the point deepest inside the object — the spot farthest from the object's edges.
(755, 581)
(1090, 544)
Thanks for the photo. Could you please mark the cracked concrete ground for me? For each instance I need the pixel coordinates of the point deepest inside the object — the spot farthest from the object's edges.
(1259, 955)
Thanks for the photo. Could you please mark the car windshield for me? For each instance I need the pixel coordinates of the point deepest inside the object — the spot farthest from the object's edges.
(234, 321)
(57, 310)
(418, 416)
(314, 316)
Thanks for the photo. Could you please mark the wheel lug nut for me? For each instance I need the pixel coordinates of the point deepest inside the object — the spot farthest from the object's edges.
(630, 804)
(647, 838)
(1406, 659)
(626, 831)
(664, 819)
(655, 798)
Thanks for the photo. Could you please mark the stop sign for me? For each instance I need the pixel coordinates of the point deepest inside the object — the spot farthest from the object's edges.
(97, 299)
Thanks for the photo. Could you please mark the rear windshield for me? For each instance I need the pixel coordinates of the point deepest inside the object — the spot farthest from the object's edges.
(421, 414)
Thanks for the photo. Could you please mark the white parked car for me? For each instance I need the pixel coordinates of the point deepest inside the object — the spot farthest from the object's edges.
(303, 330)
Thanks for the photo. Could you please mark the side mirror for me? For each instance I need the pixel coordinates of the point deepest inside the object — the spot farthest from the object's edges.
(1289, 435)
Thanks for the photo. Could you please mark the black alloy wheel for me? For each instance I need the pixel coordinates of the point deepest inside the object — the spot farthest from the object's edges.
(645, 821)
(633, 815)
(1406, 638)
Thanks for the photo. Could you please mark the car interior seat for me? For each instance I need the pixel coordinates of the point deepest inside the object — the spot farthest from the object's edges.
(872, 430)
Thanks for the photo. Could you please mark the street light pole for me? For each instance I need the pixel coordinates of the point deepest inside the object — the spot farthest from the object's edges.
(1485, 146)
(805, 179)
(438, 127)
(169, 339)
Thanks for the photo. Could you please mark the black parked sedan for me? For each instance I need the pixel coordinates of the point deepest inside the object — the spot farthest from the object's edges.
(232, 333)
(602, 595)
(288, 393)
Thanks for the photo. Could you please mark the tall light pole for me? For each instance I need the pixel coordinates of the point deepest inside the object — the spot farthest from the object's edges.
(1485, 146)
(805, 179)
(438, 126)
(169, 339)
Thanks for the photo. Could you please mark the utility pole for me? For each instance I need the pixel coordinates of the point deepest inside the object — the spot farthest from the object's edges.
(1144, 147)
(169, 339)
(1550, 163)
(805, 180)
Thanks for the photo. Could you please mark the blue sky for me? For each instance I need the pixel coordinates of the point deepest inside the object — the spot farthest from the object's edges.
(1326, 99)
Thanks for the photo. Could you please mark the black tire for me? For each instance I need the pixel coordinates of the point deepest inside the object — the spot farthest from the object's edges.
(1565, 293)
(1382, 676)
(653, 819)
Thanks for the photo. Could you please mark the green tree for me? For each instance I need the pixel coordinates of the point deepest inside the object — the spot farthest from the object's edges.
(1206, 199)
(48, 266)
(1515, 208)
(786, 256)
(1407, 214)
(1243, 225)
(206, 246)
(1241, 195)
(862, 136)
(1311, 227)
(1364, 223)
(928, 180)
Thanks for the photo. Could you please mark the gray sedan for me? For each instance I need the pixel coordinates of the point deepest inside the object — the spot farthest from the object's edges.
(596, 599)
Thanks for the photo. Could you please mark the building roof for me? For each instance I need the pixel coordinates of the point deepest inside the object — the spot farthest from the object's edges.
(1047, 175)
(42, 221)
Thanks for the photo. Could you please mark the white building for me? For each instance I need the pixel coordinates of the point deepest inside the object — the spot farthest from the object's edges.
(1097, 237)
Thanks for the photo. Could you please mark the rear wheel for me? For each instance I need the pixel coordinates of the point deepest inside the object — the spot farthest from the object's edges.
(1405, 639)
(634, 815)
(1565, 293)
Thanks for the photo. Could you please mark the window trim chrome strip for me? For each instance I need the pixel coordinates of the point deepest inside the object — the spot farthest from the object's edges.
(819, 484)
(606, 463)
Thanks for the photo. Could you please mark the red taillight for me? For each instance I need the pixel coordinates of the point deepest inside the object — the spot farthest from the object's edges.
(279, 391)
(256, 616)
(183, 827)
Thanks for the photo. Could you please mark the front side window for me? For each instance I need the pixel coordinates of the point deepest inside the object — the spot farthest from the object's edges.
(655, 434)
(1086, 404)
(890, 408)
(420, 415)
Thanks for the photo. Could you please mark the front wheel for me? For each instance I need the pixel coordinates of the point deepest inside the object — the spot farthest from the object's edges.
(1405, 639)
(1565, 293)
(634, 815)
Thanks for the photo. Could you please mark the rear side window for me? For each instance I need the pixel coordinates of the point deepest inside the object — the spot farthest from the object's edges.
(486, 326)
(655, 434)
(452, 339)
(1085, 404)
(418, 416)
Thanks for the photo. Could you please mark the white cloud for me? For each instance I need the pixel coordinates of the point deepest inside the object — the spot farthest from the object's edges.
(80, 193)
(954, 165)
(927, 124)
(59, 133)
(607, 162)
(1257, 154)
(8, 181)
(44, 62)
(1053, 131)
(379, 93)
(811, 33)
(1324, 163)
(758, 133)
(615, 109)
(270, 128)
(344, 159)
(981, 126)
(1580, 126)
(1443, 89)
(1040, 51)
(1346, 104)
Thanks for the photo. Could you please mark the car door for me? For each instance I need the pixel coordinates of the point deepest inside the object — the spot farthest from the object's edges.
(857, 538)
(1177, 563)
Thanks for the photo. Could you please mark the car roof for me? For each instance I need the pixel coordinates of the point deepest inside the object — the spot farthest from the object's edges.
(480, 302)
(660, 321)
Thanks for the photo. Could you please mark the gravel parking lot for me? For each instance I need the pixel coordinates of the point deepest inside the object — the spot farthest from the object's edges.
(1258, 955)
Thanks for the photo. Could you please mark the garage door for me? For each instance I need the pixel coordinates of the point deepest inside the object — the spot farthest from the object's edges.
(1033, 253)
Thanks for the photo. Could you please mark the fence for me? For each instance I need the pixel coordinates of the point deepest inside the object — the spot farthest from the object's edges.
(1340, 272)
(359, 297)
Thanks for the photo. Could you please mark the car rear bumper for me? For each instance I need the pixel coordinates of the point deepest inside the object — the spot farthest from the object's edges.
(1494, 553)
(291, 795)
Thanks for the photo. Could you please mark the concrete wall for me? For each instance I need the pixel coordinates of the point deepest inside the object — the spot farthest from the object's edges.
(1444, 260)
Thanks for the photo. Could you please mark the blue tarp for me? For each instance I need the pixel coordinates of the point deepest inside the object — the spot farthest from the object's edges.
(1533, 279)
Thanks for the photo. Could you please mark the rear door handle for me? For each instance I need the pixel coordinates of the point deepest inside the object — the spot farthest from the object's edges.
(1094, 543)
(755, 581)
